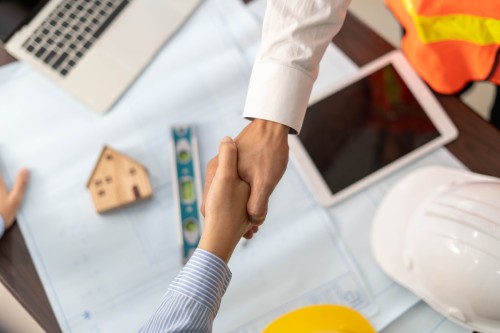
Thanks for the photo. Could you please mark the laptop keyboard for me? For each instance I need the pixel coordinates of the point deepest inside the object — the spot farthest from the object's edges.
(70, 31)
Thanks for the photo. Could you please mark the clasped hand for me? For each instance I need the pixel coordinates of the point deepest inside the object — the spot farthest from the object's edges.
(259, 158)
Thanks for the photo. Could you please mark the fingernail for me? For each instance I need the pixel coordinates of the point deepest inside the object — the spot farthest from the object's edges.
(227, 139)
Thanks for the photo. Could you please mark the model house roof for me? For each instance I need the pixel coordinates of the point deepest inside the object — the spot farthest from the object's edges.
(106, 149)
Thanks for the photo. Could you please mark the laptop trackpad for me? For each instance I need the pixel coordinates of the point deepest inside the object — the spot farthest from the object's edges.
(139, 32)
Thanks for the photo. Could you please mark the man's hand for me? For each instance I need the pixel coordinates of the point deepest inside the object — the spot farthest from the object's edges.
(262, 159)
(11, 201)
(226, 218)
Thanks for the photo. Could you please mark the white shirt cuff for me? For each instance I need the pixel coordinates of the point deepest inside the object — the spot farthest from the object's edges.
(278, 93)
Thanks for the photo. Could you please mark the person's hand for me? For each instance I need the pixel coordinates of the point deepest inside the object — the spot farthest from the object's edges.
(262, 159)
(11, 201)
(226, 218)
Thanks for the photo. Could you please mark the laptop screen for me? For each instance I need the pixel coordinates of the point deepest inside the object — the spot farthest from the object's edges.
(16, 13)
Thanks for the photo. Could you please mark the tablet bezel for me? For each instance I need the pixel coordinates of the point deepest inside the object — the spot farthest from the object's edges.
(447, 131)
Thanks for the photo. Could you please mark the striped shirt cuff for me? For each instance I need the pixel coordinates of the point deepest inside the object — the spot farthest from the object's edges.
(204, 278)
(2, 226)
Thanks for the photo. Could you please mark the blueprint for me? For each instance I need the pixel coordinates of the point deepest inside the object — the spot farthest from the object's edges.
(107, 273)
(300, 252)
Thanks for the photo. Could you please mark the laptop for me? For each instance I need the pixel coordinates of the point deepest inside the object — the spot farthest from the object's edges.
(92, 48)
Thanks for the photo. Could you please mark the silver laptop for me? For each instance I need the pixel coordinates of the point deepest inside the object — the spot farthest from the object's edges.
(93, 48)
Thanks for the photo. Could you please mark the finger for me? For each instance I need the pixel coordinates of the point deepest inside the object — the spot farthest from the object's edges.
(17, 193)
(209, 176)
(257, 205)
(248, 234)
(228, 157)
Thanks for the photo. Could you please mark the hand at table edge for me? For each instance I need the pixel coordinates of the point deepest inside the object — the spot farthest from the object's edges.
(10, 201)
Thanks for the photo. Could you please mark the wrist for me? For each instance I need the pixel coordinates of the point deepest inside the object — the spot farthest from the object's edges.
(271, 127)
(218, 242)
(222, 250)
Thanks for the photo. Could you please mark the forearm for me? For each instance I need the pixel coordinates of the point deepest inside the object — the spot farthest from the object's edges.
(193, 298)
(294, 38)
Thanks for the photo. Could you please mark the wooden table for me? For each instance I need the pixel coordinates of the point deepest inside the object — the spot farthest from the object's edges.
(478, 147)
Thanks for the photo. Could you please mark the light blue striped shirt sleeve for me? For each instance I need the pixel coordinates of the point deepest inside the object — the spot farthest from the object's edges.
(193, 298)
(2, 226)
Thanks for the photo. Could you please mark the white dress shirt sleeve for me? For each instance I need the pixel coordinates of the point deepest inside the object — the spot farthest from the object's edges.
(294, 38)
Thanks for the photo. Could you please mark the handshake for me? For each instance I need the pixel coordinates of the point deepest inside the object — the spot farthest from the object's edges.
(239, 182)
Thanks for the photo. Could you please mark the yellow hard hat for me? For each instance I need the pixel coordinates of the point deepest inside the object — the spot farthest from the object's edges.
(321, 319)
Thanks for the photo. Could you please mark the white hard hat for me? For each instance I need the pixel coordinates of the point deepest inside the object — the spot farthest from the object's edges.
(437, 232)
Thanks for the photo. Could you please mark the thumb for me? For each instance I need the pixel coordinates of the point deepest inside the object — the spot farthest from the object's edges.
(228, 157)
(17, 193)
(257, 205)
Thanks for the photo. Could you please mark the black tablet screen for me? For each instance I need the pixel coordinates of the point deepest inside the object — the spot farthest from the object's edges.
(364, 127)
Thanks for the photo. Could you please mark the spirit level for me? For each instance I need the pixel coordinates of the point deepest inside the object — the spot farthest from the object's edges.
(187, 187)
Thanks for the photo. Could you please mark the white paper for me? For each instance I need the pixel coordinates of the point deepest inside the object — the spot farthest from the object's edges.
(296, 259)
(108, 272)
(421, 318)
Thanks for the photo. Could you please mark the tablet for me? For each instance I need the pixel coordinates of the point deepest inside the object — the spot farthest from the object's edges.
(366, 127)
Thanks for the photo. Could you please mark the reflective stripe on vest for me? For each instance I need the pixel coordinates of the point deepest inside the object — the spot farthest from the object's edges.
(451, 42)
(474, 29)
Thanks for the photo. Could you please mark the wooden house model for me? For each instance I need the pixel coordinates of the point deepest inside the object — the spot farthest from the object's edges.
(117, 181)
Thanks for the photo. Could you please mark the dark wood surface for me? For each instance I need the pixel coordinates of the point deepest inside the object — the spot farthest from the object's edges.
(478, 147)
(5, 58)
(19, 276)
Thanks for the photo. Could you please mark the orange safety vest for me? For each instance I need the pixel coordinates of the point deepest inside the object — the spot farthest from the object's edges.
(451, 42)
